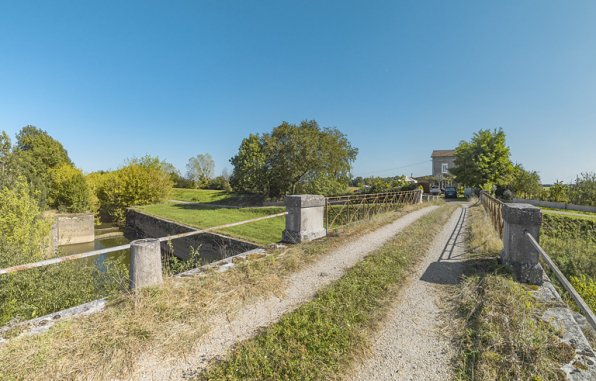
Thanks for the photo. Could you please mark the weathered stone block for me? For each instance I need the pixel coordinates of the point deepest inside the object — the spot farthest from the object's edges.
(304, 221)
(518, 252)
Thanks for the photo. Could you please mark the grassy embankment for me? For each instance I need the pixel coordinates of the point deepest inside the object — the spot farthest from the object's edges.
(546, 210)
(217, 197)
(571, 242)
(499, 330)
(164, 321)
(202, 217)
(322, 338)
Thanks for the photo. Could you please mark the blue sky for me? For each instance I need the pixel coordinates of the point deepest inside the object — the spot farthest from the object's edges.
(113, 79)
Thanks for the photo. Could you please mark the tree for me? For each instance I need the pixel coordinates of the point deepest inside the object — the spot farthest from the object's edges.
(291, 156)
(23, 230)
(482, 161)
(250, 167)
(200, 170)
(526, 182)
(37, 152)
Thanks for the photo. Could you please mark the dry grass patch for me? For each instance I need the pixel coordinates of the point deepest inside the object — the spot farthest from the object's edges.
(166, 321)
(499, 330)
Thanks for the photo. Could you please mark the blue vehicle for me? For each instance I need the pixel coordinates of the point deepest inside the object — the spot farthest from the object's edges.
(450, 192)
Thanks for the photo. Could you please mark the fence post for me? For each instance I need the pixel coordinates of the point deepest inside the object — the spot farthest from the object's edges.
(304, 221)
(145, 263)
(518, 253)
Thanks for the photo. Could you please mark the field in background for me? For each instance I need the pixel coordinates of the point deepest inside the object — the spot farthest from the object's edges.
(202, 217)
(218, 197)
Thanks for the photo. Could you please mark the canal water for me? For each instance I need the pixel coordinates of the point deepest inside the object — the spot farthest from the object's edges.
(106, 235)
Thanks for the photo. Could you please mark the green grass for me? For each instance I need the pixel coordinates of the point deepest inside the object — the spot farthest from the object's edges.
(202, 217)
(217, 197)
(321, 338)
(579, 214)
(499, 331)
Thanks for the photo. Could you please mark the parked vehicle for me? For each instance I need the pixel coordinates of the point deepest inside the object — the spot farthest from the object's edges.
(450, 192)
(435, 190)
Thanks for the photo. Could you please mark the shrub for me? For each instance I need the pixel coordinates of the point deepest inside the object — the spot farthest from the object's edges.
(69, 191)
(566, 227)
(139, 182)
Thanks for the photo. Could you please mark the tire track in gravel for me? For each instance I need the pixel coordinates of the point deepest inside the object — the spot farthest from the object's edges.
(301, 287)
(409, 346)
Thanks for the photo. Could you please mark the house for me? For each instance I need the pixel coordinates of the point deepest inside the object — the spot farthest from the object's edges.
(443, 160)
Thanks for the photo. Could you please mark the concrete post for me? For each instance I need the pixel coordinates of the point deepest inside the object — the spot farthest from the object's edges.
(518, 253)
(145, 263)
(304, 221)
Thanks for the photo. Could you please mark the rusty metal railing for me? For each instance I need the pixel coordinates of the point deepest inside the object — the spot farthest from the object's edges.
(574, 294)
(342, 210)
(494, 208)
(124, 247)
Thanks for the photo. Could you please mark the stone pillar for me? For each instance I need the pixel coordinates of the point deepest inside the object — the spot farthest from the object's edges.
(145, 263)
(518, 253)
(304, 221)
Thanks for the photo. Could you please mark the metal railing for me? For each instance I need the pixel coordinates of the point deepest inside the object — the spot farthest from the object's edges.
(576, 297)
(342, 210)
(494, 208)
(124, 247)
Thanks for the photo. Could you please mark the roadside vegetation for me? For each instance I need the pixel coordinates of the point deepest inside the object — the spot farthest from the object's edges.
(322, 338)
(202, 217)
(571, 242)
(499, 331)
(164, 321)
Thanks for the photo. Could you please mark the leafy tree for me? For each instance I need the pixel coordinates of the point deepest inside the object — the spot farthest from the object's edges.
(584, 189)
(291, 156)
(483, 161)
(526, 182)
(69, 191)
(558, 192)
(200, 170)
(250, 167)
(23, 230)
(9, 167)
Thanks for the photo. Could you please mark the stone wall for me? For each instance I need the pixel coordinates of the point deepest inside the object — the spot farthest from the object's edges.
(212, 246)
(74, 228)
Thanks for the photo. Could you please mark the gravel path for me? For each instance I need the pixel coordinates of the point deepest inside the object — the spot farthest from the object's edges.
(409, 347)
(301, 287)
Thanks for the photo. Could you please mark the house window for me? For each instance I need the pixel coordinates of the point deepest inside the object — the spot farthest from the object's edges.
(444, 168)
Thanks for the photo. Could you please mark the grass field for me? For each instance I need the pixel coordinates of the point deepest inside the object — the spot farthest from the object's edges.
(218, 197)
(202, 217)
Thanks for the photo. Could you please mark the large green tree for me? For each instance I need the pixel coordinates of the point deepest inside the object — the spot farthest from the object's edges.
(293, 156)
(482, 161)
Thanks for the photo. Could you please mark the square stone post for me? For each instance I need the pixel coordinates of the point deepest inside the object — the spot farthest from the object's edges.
(304, 221)
(518, 253)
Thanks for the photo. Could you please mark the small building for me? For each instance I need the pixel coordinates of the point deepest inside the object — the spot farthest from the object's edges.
(443, 161)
